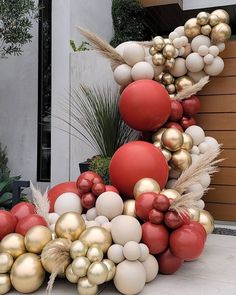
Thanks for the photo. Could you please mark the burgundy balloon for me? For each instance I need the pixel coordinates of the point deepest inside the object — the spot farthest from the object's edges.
(143, 205)
(191, 106)
(88, 200)
(174, 125)
(168, 263)
(173, 220)
(156, 216)
(186, 122)
(176, 112)
(161, 202)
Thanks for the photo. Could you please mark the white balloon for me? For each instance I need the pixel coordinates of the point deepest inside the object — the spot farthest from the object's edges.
(200, 204)
(148, 59)
(214, 50)
(181, 51)
(180, 31)
(179, 69)
(200, 40)
(53, 217)
(196, 77)
(208, 59)
(133, 53)
(176, 53)
(203, 50)
(107, 226)
(68, 202)
(195, 150)
(221, 46)
(197, 133)
(115, 253)
(194, 157)
(84, 217)
(122, 75)
(144, 252)
(211, 141)
(188, 50)
(142, 70)
(173, 35)
(205, 180)
(196, 188)
(216, 67)
(101, 219)
(194, 62)
(92, 223)
(177, 42)
(132, 251)
(171, 183)
(91, 214)
(184, 40)
(203, 147)
(151, 267)
(120, 48)
(52, 227)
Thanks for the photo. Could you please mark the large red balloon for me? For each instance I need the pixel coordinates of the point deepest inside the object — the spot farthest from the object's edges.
(155, 236)
(168, 263)
(136, 160)
(29, 221)
(198, 227)
(22, 210)
(145, 105)
(144, 205)
(7, 223)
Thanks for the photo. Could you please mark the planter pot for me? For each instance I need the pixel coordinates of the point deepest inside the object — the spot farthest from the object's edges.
(83, 167)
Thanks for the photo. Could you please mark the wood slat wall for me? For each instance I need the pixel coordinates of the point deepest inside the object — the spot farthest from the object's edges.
(218, 119)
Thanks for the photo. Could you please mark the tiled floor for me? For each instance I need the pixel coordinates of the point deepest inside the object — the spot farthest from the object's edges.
(212, 274)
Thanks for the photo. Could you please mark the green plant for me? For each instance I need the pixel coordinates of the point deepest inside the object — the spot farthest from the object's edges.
(100, 165)
(4, 170)
(6, 192)
(82, 47)
(128, 22)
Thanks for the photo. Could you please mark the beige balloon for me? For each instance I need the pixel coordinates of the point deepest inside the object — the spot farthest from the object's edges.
(6, 261)
(13, 244)
(85, 287)
(5, 283)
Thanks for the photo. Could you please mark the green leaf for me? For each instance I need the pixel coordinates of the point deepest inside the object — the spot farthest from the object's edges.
(5, 198)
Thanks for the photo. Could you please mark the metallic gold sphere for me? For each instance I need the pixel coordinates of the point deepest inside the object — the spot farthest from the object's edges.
(167, 154)
(157, 144)
(71, 277)
(171, 193)
(84, 287)
(78, 249)
(169, 64)
(181, 160)
(152, 50)
(5, 283)
(6, 261)
(27, 273)
(167, 41)
(158, 59)
(171, 88)
(220, 33)
(207, 221)
(192, 28)
(214, 20)
(194, 214)
(80, 266)
(70, 225)
(167, 79)
(159, 77)
(168, 51)
(188, 142)
(129, 208)
(36, 238)
(183, 82)
(158, 134)
(202, 18)
(97, 235)
(111, 269)
(222, 15)
(206, 30)
(158, 43)
(97, 273)
(172, 139)
(13, 244)
(146, 185)
(95, 254)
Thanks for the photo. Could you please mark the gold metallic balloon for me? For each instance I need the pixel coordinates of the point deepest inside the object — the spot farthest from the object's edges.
(214, 20)
(84, 287)
(27, 273)
(183, 82)
(181, 160)
(169, 64)
(159, 77)
(167, 79)
(202, 18)
(157, 144)
(78, 249)
(97, 235)
(158, 43)
(188, 142)
(157, 135)
(70, 225)
(80, 266)
(6, 261)
(71, 276)
(172, 139)
(146, 185)
(168, 51)
(95, 254)
(192, 28)
(158, 59)
(97, 273)
(171, 193)
(36, 238)
(207, 221)
(171, 88)
(167, 41)
(220, 33)
(5, 283)
(222, 14)
(194, 214)
(167, 154)
(129, 208)
(13, 244)
(111, 269)
(152, 50)
(206, 30)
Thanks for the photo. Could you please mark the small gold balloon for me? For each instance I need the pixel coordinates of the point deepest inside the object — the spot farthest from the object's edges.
(188, 142)
(171, 193)
(146, 185)
(80, 266)
(167, 79)
(167, 41)
(202, 18)
(111, 269)
(97, 235)
(206, 30)
(85, 287)
(27, 273)
(6, 261)
(158, 43)
(71, 276)
(192, 28)
(158, 134)
(129, 208)
(168, 51)
(97, 273)
(181, 160)
(220, 33)
(158, 59)
(222, 15)
(214, 20)
(157, 144)
(159, 77)
(167, 154)
(5, 283)
(70, 225)
(194, 214)
(95, 254)
(172, 139)
(169, 64)
(183, 82)
(13, 244)
(36, 238)
(152, 50)
(78, 249)
(207, 221)
(171, 88)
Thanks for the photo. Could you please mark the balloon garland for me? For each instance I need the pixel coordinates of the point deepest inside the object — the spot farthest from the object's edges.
(91, 233)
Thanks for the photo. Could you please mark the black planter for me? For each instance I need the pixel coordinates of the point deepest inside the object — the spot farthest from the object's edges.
(83, 167)
(18, 185)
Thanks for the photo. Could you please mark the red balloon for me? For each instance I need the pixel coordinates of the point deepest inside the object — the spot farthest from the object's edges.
(22, 210)
(98, 189)
(168, 263)
(88, 200)
(173, 220)
(176, 112)
(143, 205)
(84, 185)
(161, 202)
(145, 105)
(111, 188)
(198, 227)
(186, 243)
(136, 160)
(187, 122)
(7, 223)
(156, 216)
(28, 222)
(91, 176)
(191, 106)
(174, 125)
(155, 236)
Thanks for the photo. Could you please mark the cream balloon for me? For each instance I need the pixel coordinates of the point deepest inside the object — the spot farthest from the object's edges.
(203, 50)
(173, 35)
(197, 133)
(67, 202)
(208, 59)
(107, 226)
(195, 150)
(196, 77)
(122, 75)
(179, 68)
(200, 204)
(133, 53)
(92, 223)
(142, 70)
(195, 158)
(151, 267)
(180, 31)
(216, 67)
(203, 147)
(213, 143)
(197, 189)
(199, 41)
(91, 214)
(221, 46)
(53, 217)
(115, 253)
(205, 179)
(132, 251)
(214, 50)
(177, 42)
(101, 219)
(144, 252)
(121, 47)
(194, 62)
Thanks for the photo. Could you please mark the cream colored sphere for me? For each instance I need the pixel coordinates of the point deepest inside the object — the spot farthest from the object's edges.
(67, 202)
(200, 204)
(197, 189)
(179, 68)
(115, 253)
(203, 50)
(53, 217)
(177, 42)
(196, 77)
(208, 59)
(203, 147)
(221, 46)
(132, 251)
(197, 133)
(214, 50)
(180, 31)
(216, 67)
(151, 267)
(213, 143)
(199, 41)
(205, 180)
(144, 252)
(121, 47)
(91, 214)
(194, 62)
(133, 53)
(122, 75)
(142, 71)
(101, 219)
(195, 150)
